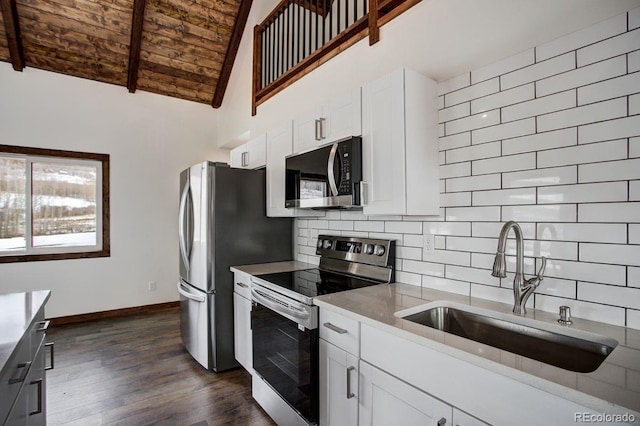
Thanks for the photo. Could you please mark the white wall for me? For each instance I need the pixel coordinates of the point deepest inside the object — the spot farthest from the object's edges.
(439, 38)
(549, 137)
(150, 139)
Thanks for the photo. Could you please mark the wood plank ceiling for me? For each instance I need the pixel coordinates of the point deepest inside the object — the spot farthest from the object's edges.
(179, 48)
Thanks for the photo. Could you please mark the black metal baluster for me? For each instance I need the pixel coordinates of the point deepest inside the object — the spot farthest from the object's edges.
(286, 38)
(310, 18)
(346, 14)
(317, 24)
(299, 38)
(355, 11)
(281, 41)
(273, 50)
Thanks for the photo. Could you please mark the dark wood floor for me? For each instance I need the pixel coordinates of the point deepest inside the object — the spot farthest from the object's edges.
(135, 371)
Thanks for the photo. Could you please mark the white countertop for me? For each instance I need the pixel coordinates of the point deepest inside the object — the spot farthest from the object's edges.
(616, 381)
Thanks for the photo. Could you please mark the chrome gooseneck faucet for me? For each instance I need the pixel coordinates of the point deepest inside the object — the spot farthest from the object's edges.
(522, 288)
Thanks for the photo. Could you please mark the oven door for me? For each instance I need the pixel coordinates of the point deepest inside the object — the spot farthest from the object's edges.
(285, 354)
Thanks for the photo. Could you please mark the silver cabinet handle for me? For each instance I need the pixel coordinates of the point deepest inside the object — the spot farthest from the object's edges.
(318, 132)
(335, 328)
(363, 193)
(244, 159)
(25, 366)
(40, 397)
(50, 345)
(322, 121)
(44, 325)
(349, 393)
(442, 421)
(243, 285)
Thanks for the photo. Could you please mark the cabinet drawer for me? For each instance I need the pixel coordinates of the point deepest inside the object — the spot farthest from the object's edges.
(13, 377)
(37, 332)
(341, 331)
(242, 284)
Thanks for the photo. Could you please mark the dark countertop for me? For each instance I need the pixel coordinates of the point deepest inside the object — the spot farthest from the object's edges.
(17, 314)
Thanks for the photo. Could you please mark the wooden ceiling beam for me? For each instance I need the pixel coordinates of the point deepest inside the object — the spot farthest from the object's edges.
(232, 51)
(136, 43)
(12, 30)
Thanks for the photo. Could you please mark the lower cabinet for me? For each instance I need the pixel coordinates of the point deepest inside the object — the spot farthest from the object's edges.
(339, 388)
(460, 418)
(243, 347)
(29, 407)
(386, 400)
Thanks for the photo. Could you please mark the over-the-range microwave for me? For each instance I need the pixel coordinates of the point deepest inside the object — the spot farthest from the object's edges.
(327, 177)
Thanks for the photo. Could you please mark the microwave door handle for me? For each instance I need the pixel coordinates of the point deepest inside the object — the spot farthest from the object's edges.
(332, 179)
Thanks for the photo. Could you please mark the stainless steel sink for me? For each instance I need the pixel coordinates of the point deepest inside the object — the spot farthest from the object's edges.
(570, 349)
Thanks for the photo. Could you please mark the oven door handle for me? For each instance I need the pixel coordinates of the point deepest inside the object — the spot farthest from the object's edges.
(275, 304)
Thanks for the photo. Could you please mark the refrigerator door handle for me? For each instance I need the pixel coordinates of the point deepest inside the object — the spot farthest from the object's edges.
(185, 250)
(188, 295)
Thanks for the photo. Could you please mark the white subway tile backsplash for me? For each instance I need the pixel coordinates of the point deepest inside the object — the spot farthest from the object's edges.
(584, 232)
(403, 227)
(634, 104)
(633, 61)
(538, 71)
(609, 295)
(472, 92)
(476, 214)
(541, 105)
(589, 35)
(504, 66)
(455, 199)
(634, 190)
(341, 225)
(591, 113)
(557, 287)
(454, 112)
(634, 18)
(609, 212)
(541, 141)
(408, 278)
(497, 294)
(369, 226)
(476, 121)
(609, 171)
(456, 141)
(633, 321)
(475, 152)
(472, 275)
(609, 48)
(462, 229)
(352, 215)
(580, 309)
(618, 254)
(612, 129)
(473, 183)
(504, 131)
(411, 253)
(455, 170)
(583, 271)
(591, 153)
(413, 240)
(545, 213)
(504, 164)
(585, 193)
(492, 230)
(505, 197)
(318, 224)
(448, 257)
(609, 89)
(424, 268)
(443, 284)
(541, 177)
(634, 147)
(455, 83)
(633, 277)
(634, 233)
(582, 76)
(504, 98)
(470, 244)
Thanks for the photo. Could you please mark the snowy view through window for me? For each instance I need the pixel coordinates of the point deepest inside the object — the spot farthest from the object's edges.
(63, 204)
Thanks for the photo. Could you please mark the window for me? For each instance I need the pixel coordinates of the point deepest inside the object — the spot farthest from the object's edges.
(53, 204)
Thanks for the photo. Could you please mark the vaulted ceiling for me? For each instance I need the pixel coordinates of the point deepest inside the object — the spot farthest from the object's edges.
(179, 48)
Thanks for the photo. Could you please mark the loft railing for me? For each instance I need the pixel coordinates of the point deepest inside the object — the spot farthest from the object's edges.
(300, 35)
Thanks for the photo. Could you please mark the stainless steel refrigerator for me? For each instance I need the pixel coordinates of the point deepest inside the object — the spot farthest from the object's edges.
(222, 222)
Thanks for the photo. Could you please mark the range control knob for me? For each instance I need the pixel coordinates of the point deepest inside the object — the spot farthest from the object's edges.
(327, 244)
(368, 249)
(379, 250)
(319, 245)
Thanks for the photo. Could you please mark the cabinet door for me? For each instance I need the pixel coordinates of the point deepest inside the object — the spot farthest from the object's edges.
(338, 386)
(383, 145)
(342, 117)
(237, 156)
(460, 418)
(391, 401)
(306, 130)
(279, 145)
(243, 347)
(257, 152)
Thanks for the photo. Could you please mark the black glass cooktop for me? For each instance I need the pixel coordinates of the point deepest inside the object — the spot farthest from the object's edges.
(315, 282)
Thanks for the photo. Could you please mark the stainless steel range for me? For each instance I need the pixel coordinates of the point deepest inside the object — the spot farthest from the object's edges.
(284, 321)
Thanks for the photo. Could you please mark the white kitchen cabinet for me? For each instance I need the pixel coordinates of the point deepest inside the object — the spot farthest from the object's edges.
(279, 146)
(337, 119)
(400, 145)
(250, 155)
(242, 337)
(460, 418)
(338, 386)
(386, 400)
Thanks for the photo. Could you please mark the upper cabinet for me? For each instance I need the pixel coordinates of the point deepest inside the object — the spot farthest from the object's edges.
(335, 120)
(251, 155)
(279, 146)
(400, 145)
